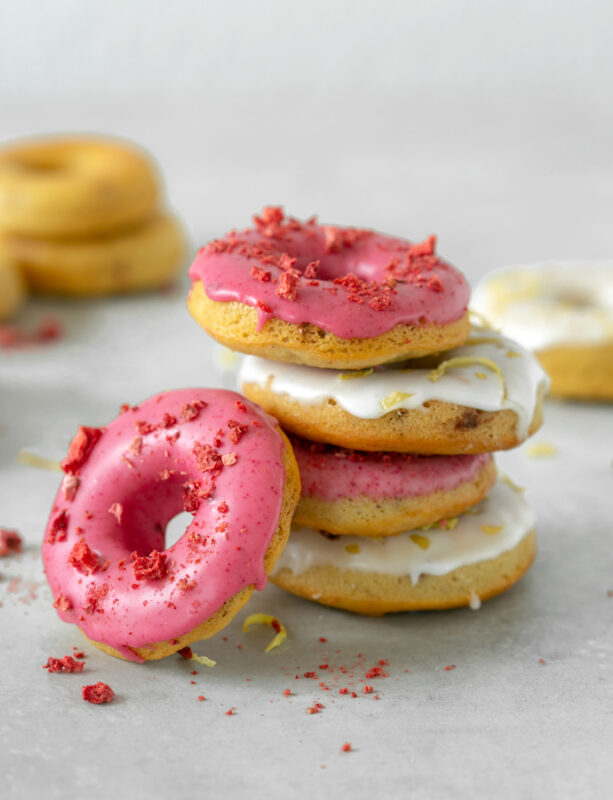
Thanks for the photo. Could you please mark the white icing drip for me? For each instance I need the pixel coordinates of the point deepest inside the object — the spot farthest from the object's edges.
(475, 385)
(400, 555)
(549, 304)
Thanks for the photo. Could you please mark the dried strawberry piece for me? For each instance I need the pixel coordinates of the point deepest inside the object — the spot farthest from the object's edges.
(97, 693)
(435, 284)
(10, 542)
(207, 458)
(62, 603)
(286, 262)
(240, 405)
(380, 303)
(186, 653)
(185, 585)
(168, 420)
(229, 459)
(425, 248)
(83, 559)
(70, 484)
(334, 239)
(311, 269)
(190, 411)
(191, 497)
(80, 448)
(287, 286)
(236, 430)
(264, 307)
(64, 664)
(116, 510)
(57, 531)
(223, 507)
(260, 274)
(149, 568)
(144, 427)
(95, 596)
(270, 222)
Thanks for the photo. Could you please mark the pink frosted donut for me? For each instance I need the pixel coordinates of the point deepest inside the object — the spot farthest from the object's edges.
(327, 296)
(205, 451)
(380, 494)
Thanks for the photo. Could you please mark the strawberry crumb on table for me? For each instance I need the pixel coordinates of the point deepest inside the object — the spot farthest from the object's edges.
(97, 693)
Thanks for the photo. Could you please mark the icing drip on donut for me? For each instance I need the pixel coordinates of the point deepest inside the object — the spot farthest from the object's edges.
(491, 528)
(332, 473)
(351, 282)
(409, 386)
(206, 451)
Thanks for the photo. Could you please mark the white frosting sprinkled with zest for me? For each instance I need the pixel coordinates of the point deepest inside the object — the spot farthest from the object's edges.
(513, 382)
(504, 509)
(555, 303)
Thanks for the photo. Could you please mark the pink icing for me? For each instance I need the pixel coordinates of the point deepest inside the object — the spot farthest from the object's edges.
(332, 473)
(348, 281)
(104, 545)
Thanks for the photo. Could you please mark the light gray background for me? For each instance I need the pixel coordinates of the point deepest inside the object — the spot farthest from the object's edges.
(487, 123)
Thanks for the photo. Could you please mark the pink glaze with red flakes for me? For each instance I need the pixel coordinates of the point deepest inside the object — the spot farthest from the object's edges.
(351, 282)
(333, 473)
(207, 451)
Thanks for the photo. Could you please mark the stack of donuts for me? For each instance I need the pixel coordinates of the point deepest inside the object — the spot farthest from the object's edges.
(82, 216)
(361, 345)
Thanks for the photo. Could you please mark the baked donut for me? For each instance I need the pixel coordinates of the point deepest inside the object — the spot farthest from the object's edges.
(483, 396)
(12, 286)
(563, 311)
(382, 494)
(61, 187)
(145, 257)
(327, 296)
(205, 451)
(488, 551)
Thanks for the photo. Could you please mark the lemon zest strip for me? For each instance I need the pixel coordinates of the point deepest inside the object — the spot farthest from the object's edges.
(358, 373)
(206, 662)
(467, 361)
(272, 622)
(29, 459)
(420, 540)
(394, 399)
(491, 529)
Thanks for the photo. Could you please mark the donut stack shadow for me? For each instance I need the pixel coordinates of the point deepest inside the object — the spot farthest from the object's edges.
(402, 508)
(82, 217)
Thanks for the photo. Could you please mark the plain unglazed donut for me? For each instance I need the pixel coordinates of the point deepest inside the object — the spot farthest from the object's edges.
(145, 257)
(205, 451)
(64, 187)
(12, 285)
(327, 296)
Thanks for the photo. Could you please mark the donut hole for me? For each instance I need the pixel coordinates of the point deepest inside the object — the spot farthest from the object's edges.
(176, 527)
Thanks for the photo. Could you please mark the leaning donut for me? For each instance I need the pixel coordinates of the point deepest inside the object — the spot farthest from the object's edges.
(70, 187)
(200, 450)
(327, 296)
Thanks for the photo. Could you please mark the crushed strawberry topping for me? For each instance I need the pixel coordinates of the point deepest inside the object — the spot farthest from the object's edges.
(57, 531)
(10, 542)
(70, 484)
(116, 510)
(97, 693)
(149, 568)
(80, 448)
(64, 664)
(62, 603)
(236, 430)
(207, 458)
(287, 286)
(83, 559)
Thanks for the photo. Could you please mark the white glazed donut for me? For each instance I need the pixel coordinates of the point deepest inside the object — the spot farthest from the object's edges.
(563, 311)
